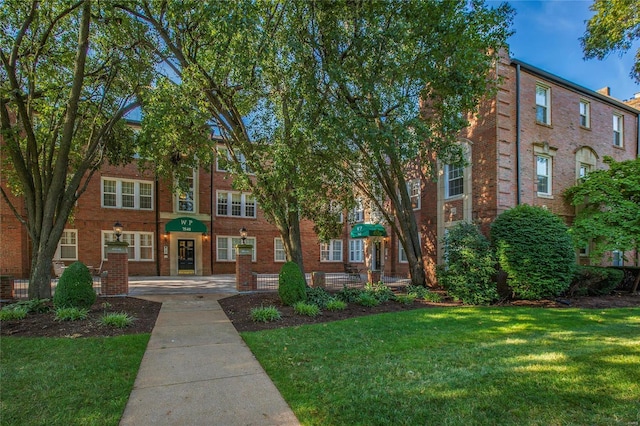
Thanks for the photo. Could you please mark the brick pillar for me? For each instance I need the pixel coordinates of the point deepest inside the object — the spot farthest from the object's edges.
(115, 282)
(318, 280)
(374, 276)
(6, 287)
(244, 275)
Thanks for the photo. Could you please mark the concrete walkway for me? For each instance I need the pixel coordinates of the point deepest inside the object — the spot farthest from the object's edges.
(197, 370)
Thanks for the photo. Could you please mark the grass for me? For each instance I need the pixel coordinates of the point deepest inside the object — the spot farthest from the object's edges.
(463, 366)
(63, 381)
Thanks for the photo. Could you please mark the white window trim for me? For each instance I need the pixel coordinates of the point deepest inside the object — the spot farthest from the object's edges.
(277, 250)
(243, 204)
(357, 213)
(332, 252)
(549, 176)
(194, 196)
(587, 105)
(415, 184)
(447, 182)
(619, 119)
(231, 249)
(547, 90)
(137, 196)
(223, 150)
(58, 254)
(110, 236)
(352, 252)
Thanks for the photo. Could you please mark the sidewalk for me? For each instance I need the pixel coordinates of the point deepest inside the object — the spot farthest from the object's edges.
(198, 371)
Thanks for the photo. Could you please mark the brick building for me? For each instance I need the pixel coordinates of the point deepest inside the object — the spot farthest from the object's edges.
(529, 143)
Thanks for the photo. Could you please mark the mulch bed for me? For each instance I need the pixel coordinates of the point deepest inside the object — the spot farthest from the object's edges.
(238, 308)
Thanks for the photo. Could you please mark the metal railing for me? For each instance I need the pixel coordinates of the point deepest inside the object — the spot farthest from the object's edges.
(21, 287)
(332, 281)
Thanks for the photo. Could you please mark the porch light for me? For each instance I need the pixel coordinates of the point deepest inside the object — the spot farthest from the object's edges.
(205, 236)
(117, 229)
(243, 234)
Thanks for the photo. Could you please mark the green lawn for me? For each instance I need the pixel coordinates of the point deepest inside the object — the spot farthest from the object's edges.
(462, 366)
(47, 381)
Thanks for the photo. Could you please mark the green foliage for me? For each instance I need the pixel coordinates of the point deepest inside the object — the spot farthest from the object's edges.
(380, 291)
(32, 305)
(265, 314)
(367, 299)
(71, 314)
(336, 305)
(534, 248)
(117, 319)
(318, 296)
(75, 288)
(423, 293)
(595, 281)
(349, 294)
(406, 299)
(292, 286)
(307, 309)
(13, 313)
(469, 268)
(608, 208)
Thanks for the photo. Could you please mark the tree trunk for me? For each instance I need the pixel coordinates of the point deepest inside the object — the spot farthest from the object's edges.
(40, 276)
(291, 238)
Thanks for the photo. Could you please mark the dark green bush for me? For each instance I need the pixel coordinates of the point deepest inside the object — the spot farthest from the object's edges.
(595, 281)
(75, 288)
(535, 250)
(470, 266)
(380, 291)
(318, 296)
(349, 294)
(292, 287)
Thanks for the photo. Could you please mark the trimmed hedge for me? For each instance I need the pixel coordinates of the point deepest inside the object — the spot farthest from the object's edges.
(292, 287)
(75, 288)
(595, 281)
(534, 248)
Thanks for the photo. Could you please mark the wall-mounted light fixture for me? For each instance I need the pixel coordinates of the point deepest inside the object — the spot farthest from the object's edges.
(166, 236)
(243, 234)
(205, 236)
(117, 230)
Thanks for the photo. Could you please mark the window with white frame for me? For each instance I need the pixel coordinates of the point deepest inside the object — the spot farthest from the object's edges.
(68, 245)
(402, 255)
(127, 194)
(224, 158)
(357, 214)
(279, 255)
(543, 171)
(335, 208)
(331, 251)
(618, 135)
(356, 251)
(226, 248)
(414, 190)
(236, 204)
(617, 258)
(453, 180)
(584, 251)
(585, 114)
(543, 104)
(140, 244)
(186, 194)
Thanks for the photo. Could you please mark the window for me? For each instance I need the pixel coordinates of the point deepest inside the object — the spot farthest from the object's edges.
(618, 136)
(140, 244)
(279, 254)
(68, 245)
(585, 114)
(586, 161)
(543, 95)
(235, 204)
(583, 170)
(335, 208)
(584, 251)
(357, 214)
(356, 251)
(543, 170)
(331, 251)
(226, 248)
(127, 194)
(617, 258)
(454, 180)
(186, 193)
(414, 189)
(224, 158)
(402, 255)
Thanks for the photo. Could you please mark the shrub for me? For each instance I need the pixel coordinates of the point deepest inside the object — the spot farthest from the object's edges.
(534, 248)
(37, 306)
(470, 266)
(265, 314)
(291, 284)
(595, 281)
(12, 313)
(303, 308)
(406, 299)
(367, 299)
(349, 294)
(423, 293)
(336, 305)
(380, 291)
(117, 319)
(318, 296)
(75, 288)
(71, 314)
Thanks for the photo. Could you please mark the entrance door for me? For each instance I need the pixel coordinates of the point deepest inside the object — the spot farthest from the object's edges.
(376, 258)
(186, 257)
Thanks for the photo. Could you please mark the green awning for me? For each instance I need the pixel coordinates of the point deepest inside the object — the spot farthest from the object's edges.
(185, 224)
(365, 230)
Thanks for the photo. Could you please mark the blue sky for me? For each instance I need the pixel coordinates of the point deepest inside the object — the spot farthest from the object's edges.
(547, 36)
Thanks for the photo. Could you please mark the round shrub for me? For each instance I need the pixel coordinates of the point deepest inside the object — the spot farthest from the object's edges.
(75, 288)
(595, 281)
(468, 275)
(534, 248)
(292, 287)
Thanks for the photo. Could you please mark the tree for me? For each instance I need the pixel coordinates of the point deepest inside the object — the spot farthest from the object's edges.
(70, 71)
(398, 78)
(608, 209)
(614, 27)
